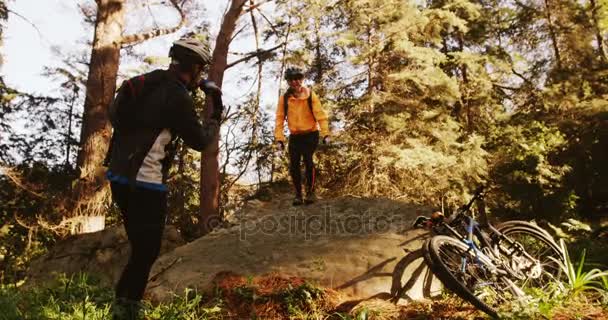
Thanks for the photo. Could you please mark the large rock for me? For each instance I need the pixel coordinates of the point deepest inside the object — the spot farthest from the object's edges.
(102, 254)
(350, 244)
(357, 246)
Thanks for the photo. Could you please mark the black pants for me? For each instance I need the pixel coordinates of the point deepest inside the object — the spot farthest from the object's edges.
(143, 212)
(303, 146)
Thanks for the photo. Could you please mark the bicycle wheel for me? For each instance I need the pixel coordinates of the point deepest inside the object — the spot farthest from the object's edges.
(461, 271)
(538, 243)
(412, 276)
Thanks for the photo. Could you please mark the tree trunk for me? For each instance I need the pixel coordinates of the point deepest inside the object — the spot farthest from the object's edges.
(320, 70)
(256, 111)
(598, 33)
(95, 133)
(254, 124)
(101, 83)
(210, 187)
(465, 81)
(89, 194)
(371, 79)
(553, 36)
(273, 164)
(69, 133)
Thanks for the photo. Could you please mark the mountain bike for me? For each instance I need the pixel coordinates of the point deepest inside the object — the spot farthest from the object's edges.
(486, 265)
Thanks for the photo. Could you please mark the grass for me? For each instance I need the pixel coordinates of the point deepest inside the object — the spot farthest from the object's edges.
(269, 297)
(581, 294)
(82, 297)
(67, 298)
(280, 297)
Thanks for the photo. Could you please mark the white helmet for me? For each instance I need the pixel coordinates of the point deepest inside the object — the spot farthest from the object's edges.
(190, 50)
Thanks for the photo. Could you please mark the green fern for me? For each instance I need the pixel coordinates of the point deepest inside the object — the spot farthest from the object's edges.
(580, 281)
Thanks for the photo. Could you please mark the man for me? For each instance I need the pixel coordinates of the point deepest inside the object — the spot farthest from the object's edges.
(148, 114)
(305, 115)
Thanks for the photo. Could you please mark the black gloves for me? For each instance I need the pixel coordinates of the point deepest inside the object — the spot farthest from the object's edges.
(215, 92)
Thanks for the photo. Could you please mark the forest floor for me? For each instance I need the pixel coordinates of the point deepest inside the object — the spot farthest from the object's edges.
(342, 258)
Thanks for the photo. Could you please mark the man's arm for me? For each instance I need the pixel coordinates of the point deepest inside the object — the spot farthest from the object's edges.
(187, 125)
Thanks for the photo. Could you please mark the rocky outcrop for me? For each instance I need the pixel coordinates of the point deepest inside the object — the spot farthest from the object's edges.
(102, 254)
(354, 245)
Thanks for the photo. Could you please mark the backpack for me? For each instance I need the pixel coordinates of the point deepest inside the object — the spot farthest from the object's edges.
(286, 105)
(123, 108)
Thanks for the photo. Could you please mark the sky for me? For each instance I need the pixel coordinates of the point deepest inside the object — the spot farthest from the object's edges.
(26, 51)
(59, 23)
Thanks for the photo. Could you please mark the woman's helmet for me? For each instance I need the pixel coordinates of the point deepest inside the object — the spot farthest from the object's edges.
(293, 73)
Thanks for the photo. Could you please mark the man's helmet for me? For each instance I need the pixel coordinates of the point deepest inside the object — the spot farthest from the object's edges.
(293, 73)
(190, 51)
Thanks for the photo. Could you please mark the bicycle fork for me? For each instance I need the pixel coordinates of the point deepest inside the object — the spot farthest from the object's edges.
(487, 261)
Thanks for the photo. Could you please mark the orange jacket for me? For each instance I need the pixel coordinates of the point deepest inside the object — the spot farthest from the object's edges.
(299, 118)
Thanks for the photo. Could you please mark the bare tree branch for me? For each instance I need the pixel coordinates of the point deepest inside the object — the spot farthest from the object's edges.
(505, 87)
(521, 76)
(30, 23)
(272, 26)
(254, 6)
(237, 33)
(141, 37)
(16, 179)
(259, 53)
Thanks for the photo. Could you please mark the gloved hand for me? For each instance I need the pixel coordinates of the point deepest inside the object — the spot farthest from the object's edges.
(209, 87)
(281, 145)
(326, 140)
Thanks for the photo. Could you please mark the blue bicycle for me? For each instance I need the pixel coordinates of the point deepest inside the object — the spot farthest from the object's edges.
(488, 265)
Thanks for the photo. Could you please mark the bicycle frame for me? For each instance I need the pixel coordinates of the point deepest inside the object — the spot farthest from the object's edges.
(482, 259)
(475, 231)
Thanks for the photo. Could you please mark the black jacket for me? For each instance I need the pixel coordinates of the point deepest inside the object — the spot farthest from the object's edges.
(162, 102)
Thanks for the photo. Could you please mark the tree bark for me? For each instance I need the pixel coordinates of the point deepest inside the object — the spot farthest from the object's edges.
(210, 186)
(141, 37)
(283, 67)
(371, 84)
(465, 81)
(553, 35)
(320, 70)
(68, 138)
(100, 87)
(101, 83)
(254, 124)
(598, 33)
